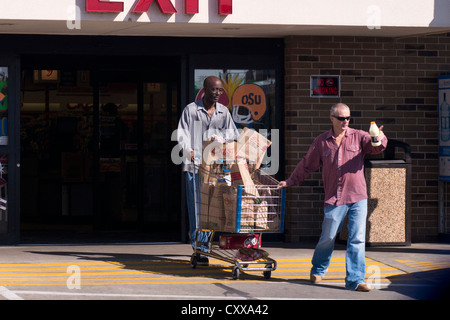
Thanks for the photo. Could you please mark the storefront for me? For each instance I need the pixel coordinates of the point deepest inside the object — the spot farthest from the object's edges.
(93, 153)
(91, 92)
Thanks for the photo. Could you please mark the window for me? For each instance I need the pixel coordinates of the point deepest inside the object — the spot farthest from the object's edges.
(250, 95)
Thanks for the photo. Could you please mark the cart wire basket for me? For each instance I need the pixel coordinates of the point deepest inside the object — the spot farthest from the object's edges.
(240, 212)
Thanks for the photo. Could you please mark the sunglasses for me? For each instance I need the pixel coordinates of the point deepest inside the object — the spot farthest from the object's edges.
(342, 118)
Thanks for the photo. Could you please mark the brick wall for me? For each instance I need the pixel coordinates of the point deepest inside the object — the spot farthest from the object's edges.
(391, 81)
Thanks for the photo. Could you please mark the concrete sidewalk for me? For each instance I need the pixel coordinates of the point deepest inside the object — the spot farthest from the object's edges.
(162, 271)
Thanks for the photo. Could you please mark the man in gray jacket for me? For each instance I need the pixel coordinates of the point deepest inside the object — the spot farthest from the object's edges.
(199, 121)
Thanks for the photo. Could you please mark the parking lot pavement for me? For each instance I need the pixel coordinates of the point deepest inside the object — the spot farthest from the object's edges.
(161, 271)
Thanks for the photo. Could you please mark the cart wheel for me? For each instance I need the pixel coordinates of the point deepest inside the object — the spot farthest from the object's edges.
(267, 274)
(193, 261)
(235, 273)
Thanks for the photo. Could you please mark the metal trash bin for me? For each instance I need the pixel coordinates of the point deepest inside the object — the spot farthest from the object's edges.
(389, 198)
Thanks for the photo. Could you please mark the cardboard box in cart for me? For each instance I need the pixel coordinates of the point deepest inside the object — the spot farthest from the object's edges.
(212, 213)
(219, 195)
(252, 146)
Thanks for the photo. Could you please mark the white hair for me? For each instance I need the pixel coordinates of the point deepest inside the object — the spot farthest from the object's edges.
(336, 106)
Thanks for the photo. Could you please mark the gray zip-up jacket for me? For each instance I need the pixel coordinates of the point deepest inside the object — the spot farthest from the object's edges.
(195, 127)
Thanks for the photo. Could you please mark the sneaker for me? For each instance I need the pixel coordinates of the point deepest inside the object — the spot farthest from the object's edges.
(315, 278)
(362, 287)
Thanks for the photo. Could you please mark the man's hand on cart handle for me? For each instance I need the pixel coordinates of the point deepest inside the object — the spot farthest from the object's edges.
(196, 159)
(281, 184)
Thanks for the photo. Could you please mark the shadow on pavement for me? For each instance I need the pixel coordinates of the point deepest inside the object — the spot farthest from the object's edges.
(423, 285)
(177, 265)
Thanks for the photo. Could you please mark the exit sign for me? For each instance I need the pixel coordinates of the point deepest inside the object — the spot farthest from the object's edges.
(166, 6)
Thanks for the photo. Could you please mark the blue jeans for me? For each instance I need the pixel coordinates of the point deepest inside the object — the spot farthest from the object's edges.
(191, 199)
(332, 224)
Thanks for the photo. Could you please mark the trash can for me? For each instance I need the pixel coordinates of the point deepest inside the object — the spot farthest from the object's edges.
(389, 197)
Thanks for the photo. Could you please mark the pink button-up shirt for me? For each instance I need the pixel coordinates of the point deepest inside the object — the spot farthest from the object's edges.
(342, 166)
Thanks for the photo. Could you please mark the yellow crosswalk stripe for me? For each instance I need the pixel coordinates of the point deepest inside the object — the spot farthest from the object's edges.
(167, 272)
(426, 265)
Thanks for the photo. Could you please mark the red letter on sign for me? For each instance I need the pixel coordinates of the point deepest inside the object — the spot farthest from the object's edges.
(191, 6)
(103, 6)
(164, 5)
(225, 6)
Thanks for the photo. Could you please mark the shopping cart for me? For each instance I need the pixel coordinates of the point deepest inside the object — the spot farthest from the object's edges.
(239, 212)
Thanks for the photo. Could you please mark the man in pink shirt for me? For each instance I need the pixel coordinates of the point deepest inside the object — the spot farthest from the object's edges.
(340, 152)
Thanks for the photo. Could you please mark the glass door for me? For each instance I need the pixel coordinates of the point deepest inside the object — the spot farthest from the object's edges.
(117, 163)
(56, 133)
(94, 152)
(161, 176)
(137, 184)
